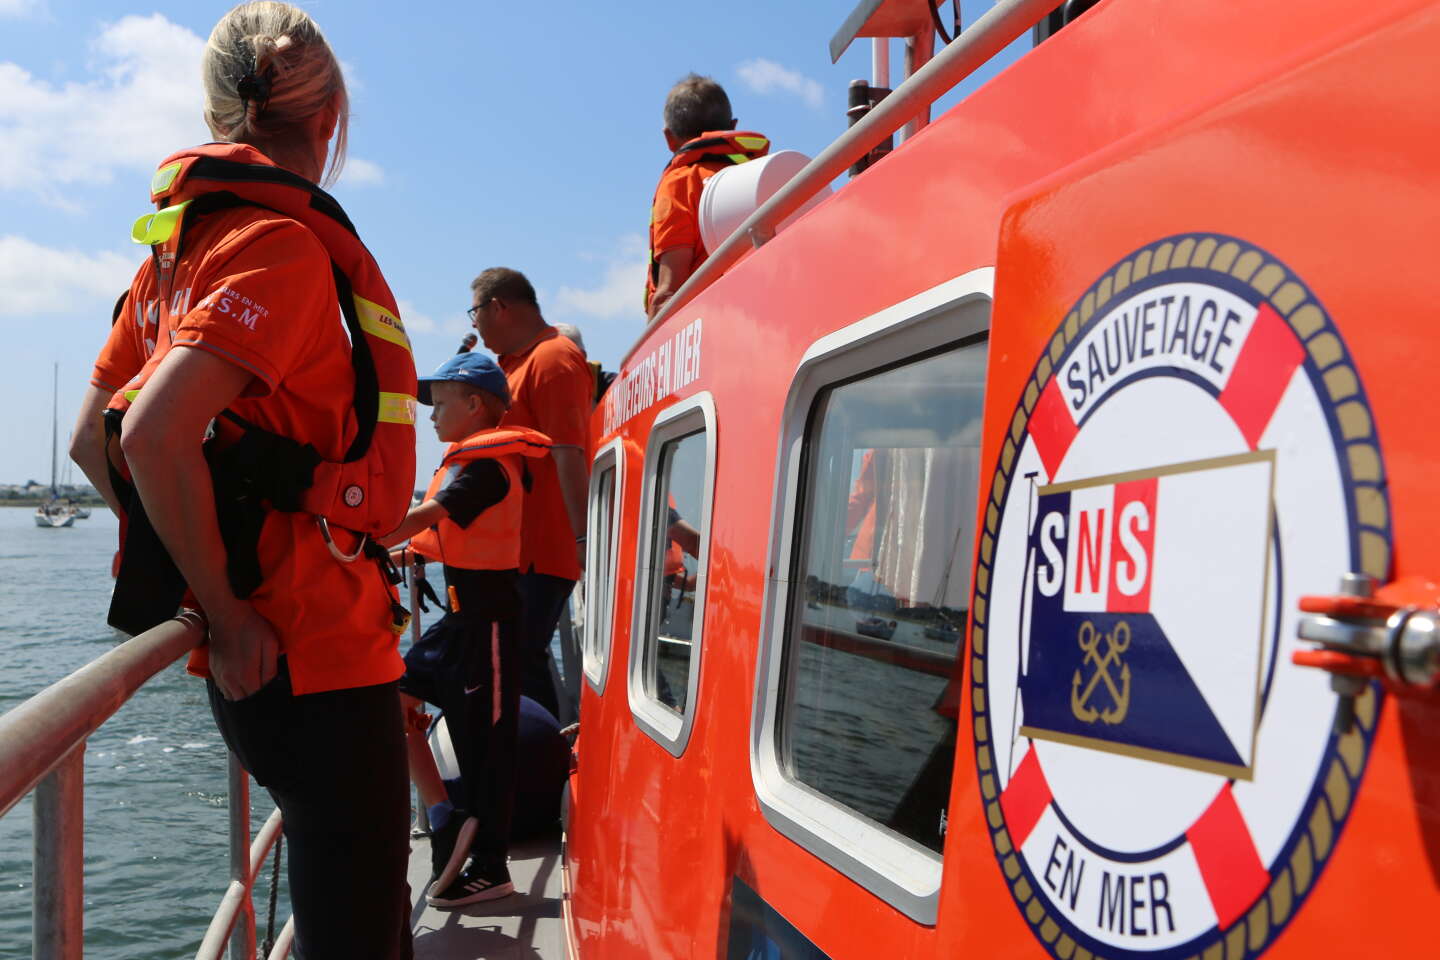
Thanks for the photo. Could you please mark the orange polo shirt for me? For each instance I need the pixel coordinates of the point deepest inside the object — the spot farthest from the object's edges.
(550, 391)
(675, 217)
(255, 289)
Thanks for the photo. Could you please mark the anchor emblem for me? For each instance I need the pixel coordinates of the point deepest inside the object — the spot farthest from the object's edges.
(1116, 643)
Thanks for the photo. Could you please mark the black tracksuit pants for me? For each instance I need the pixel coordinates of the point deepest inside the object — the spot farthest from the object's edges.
(483, 717)
(335, 764)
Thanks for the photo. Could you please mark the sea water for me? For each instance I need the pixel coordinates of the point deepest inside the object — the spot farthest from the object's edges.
(156, 818)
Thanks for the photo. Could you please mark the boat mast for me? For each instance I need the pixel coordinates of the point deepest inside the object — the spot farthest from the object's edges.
(54, 428)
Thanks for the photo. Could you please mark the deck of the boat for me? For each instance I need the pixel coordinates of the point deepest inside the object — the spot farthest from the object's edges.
(527, 925)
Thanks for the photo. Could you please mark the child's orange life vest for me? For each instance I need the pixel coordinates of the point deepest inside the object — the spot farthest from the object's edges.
(492, 541)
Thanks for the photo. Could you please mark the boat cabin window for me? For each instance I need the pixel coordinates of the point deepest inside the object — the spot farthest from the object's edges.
(665, 659)
(601, 549)
(863, 632)
(886, 533)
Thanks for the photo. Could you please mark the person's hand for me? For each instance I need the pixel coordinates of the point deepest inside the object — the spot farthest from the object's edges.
(243, 650)
(391, 540)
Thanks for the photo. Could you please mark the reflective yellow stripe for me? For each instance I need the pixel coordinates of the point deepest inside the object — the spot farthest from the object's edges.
(752, 143)
(739, 157)
(156, 228)
(396, 408)
(164, 177)
(379, 322)
(130, 395)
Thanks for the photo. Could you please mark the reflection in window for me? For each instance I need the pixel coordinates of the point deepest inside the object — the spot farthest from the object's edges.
(673, 638)
(884, 543)
(600, 574)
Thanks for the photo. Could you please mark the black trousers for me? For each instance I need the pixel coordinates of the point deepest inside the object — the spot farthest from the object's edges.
(483, 717)
(542, 601)
(335, 764)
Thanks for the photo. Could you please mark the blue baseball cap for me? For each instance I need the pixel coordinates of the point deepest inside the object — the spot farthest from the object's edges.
(476, 369)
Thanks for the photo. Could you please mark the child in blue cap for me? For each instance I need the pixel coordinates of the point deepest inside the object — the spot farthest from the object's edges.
(467, 663)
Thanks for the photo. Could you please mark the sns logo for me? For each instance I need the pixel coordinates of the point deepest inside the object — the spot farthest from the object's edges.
(1112, 643)
(1193, 453)
(1104, 536)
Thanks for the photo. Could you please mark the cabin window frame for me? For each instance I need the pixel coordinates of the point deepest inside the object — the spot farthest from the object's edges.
(694, 414)
(599, 632)
(894, 869)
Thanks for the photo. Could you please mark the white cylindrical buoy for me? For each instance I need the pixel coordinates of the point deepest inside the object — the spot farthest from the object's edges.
(734, 193)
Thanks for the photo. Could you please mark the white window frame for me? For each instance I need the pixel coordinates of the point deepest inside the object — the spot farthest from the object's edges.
(600, 597)
(895, 869)
(661, 723)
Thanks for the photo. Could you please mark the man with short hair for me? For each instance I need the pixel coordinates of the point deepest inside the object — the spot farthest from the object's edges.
(700, 132)
(550, 391)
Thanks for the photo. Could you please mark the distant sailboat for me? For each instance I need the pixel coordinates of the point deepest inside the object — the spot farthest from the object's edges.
(53, 513)
(81, 513)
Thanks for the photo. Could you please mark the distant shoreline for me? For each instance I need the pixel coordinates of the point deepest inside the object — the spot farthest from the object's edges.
(40, 501)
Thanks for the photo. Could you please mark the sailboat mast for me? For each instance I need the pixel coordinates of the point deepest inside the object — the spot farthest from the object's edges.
(54, 428)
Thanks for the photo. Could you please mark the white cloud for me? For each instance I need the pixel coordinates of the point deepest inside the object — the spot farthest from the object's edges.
(414, 320)
(766, 77)
(37, 280)
(619, 293)
(361, 173)
(125, 118)
(21, 8)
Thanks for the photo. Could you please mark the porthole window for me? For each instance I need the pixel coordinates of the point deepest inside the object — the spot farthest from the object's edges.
(862, 644)
(601, 551)
(884, 540)
(672, 558)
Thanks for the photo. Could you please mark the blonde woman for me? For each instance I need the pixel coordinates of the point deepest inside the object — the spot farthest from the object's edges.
(230, 326)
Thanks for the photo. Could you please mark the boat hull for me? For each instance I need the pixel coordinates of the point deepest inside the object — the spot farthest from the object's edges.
(1273, 129)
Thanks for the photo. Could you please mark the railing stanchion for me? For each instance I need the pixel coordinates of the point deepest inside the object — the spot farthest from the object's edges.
(59, 871)
(242, 937)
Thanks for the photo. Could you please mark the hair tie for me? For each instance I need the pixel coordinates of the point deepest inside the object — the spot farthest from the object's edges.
(254, 86)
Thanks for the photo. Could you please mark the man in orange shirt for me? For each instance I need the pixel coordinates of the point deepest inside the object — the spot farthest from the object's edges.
(699, 130)
(550, 391)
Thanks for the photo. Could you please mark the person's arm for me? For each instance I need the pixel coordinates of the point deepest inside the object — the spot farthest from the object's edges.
(574, 481)
(419, 518)
(686, 536)
(162, 438)
(477, 488)
(87, 444)
(674, 268)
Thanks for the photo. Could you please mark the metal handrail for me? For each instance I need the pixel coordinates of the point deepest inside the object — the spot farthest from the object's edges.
(38, 734)
(237, 895)
(1005, 22)
(42, 748)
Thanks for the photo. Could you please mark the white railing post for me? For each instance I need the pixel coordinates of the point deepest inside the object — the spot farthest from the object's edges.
(242, 936)
(59, 869)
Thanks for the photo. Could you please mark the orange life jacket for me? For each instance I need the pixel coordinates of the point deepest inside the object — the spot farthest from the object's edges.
(369, 490)
(492, 541)
(718, 149)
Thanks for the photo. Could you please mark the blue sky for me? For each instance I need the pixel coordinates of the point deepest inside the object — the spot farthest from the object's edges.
(482, 134)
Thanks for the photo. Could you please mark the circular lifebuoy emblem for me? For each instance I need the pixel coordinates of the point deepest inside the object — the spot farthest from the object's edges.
(1193, 452)
(354, 496)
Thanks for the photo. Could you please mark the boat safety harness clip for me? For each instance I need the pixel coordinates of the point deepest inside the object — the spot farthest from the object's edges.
(1364, 633)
